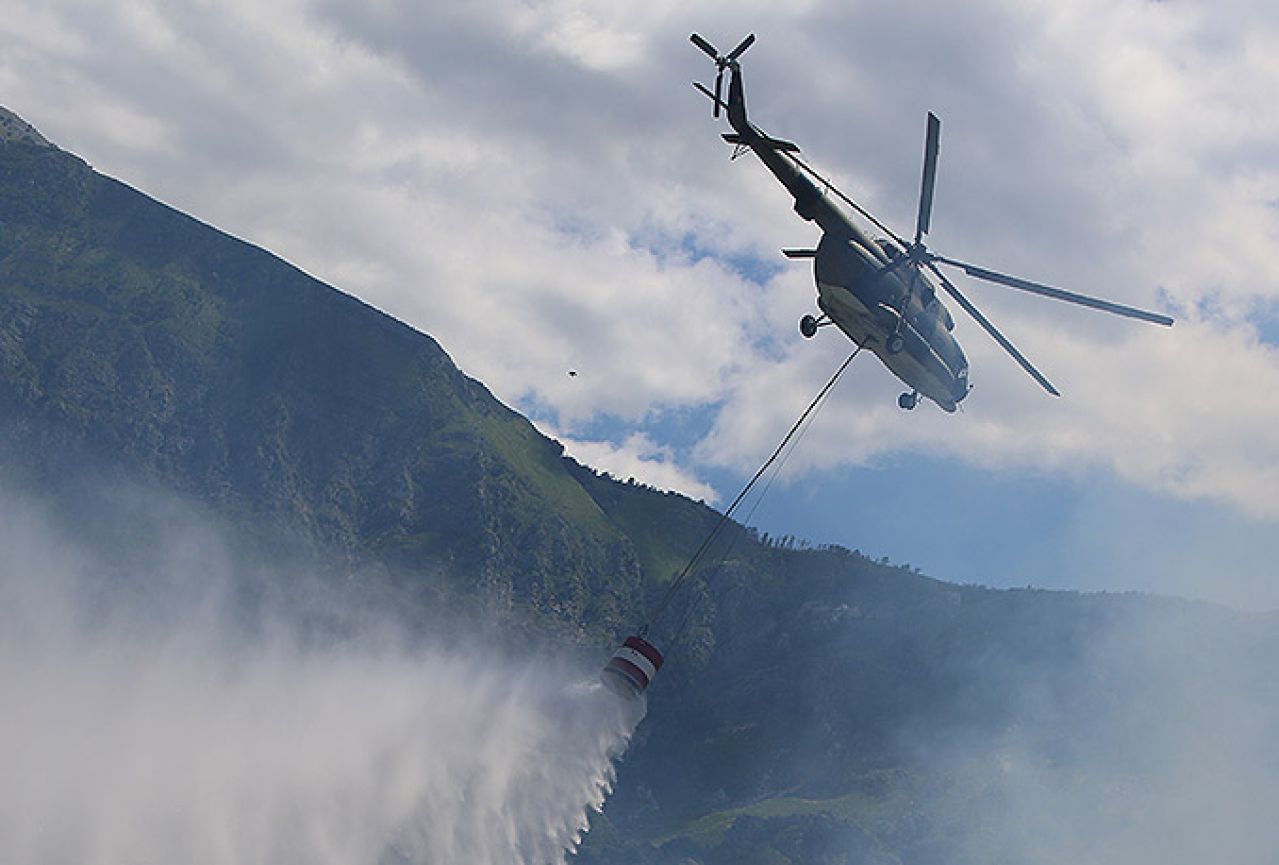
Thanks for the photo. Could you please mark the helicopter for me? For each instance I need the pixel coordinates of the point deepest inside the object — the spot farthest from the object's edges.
(882, 291)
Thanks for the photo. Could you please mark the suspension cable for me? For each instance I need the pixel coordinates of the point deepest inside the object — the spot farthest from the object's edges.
(724, 517)
(677, 634)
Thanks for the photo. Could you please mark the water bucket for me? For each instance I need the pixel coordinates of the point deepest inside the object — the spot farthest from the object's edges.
(632, 667)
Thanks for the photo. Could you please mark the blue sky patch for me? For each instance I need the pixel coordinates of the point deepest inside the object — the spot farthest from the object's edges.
(1266, 320)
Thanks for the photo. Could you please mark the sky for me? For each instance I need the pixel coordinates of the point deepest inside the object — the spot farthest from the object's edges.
(536, 185)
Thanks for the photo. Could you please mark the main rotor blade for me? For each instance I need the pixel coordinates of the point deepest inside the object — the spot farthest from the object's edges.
(931, 145)
(1057, 293)
(719, 88)
(737, 52)
(705, 46)
(992, 330)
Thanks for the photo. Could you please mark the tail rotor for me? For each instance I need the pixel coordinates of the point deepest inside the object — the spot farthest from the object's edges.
(722, 62)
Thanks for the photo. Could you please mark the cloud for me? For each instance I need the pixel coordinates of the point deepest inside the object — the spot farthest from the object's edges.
(537, 187)
(638, 457)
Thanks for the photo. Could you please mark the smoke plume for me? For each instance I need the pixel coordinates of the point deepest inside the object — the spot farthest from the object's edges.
(146, 719)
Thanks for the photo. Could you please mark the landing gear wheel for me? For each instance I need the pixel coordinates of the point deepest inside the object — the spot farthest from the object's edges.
(908, 401)
(808, 326)
(895, 343)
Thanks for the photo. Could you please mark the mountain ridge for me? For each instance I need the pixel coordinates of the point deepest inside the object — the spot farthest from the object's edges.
(14, 129)
(119, 337)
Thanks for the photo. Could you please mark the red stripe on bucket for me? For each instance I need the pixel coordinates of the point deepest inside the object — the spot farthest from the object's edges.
(645, 648)
(626, 668)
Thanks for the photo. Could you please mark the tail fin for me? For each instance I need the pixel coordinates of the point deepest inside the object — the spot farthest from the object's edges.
(722, 62)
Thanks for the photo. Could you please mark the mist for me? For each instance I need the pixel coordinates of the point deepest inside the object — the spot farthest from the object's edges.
(149, 718)
(1144, 735)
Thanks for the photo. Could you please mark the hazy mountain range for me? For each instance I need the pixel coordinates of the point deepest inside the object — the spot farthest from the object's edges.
(819, 707)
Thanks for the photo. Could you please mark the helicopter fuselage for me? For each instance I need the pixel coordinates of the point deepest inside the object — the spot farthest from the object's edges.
(908, 329)
(858, 288)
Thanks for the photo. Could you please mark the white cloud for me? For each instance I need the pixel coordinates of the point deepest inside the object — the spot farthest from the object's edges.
(638, 457)
(536, 186)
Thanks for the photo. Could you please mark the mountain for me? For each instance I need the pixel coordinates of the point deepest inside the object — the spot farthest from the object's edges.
(134, 337)
(819, 706)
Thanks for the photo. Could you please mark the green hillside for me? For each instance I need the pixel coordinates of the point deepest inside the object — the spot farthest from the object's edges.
(135, 337)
